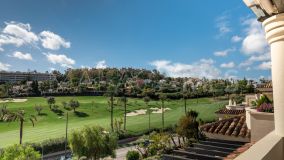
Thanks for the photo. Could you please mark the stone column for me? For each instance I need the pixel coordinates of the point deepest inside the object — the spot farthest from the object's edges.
(274, 29)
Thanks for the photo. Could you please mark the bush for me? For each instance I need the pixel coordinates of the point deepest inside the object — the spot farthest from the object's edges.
(265, 107)
(19, 152)
(93, 142)
(50, 145)
(263, 99)
(132, 155)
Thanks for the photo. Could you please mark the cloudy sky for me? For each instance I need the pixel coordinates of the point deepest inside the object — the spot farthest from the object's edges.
(178, 37)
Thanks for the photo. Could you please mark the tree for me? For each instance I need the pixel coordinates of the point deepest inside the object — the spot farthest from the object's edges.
(19, 116)
(20, 152)
(64, 104)
(185, 95)
(188, 126)
(110, 93)
(93, 142)
(74, 104)
(38, 109)
(35, 88)
(124, 100)
(163, 97)
(3, 111)
(147, 100)
(50, 102)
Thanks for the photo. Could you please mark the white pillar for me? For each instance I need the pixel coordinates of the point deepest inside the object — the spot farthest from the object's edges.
(274, 29)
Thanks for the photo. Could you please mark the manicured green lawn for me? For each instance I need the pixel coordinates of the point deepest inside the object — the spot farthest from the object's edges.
(51, 125)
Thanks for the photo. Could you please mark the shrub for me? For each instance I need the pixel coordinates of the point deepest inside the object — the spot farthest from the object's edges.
(132, 155)
(20, 152)
(263, 99)
(188, 126)
(265, 107)
(50, 145)
(93, 142)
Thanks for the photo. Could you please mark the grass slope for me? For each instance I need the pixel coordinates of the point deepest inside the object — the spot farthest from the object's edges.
(52, 125)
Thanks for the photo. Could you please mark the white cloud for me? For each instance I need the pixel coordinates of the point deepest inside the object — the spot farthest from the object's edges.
(23, 56)
(245, 63)
(224, 52)
(228, 65)
(4, 66)
(264, 65)
(101, 64)
(255, 58)
(231, 74)
(52, 69)
(222, 24)
(85, 67)
(53, 41)
(262, 57)
(17, 34)
(201, 68)
(254, 41)
(61, 59)
(20, 30)
(236, 39)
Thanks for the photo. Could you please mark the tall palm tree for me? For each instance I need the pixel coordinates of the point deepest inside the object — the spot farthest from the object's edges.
(147, 100)
(163, 97)
(20, 117)
(124, 100)
(184, 100)
(110, 93)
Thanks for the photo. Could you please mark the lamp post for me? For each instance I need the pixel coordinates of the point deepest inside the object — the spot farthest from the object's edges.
(271, 14)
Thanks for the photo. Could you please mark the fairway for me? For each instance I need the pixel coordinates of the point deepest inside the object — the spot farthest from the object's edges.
(93, 110)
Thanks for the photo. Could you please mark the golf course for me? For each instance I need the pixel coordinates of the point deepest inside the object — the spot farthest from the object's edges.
(94, 110)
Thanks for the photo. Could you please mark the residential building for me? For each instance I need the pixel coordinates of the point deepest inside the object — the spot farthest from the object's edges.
(25, 76)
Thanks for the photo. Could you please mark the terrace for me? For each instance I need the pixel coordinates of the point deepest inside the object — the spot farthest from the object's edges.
(271, 14)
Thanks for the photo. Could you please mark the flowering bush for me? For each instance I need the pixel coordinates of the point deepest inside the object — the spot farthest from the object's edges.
(266, 107)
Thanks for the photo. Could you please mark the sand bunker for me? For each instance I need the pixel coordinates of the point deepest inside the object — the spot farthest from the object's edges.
(160, 110)
(154, 108)
(13, 100)
(136, 112)
(4, 101)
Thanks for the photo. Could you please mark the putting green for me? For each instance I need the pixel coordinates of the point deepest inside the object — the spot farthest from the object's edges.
(52, 125)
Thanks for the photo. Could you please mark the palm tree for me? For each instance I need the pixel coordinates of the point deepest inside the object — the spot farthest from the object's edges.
(184, 99)
(163, 97)
(124, 100)
(110, 92)
(147, 100)
(3, 111)
(19, 116)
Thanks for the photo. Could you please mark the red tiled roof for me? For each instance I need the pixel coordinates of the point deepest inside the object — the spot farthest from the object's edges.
(265, 85)
(235, 126)
(230, 111)
(239, 151)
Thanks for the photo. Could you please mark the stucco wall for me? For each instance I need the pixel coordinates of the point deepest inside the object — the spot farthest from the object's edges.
(261, 124)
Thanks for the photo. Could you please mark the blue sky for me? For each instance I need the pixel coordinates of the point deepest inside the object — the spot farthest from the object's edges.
(216, 39)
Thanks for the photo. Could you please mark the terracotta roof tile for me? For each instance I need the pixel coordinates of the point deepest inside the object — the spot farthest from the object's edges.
(239, 151)
(235, 126)
(230, 111)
